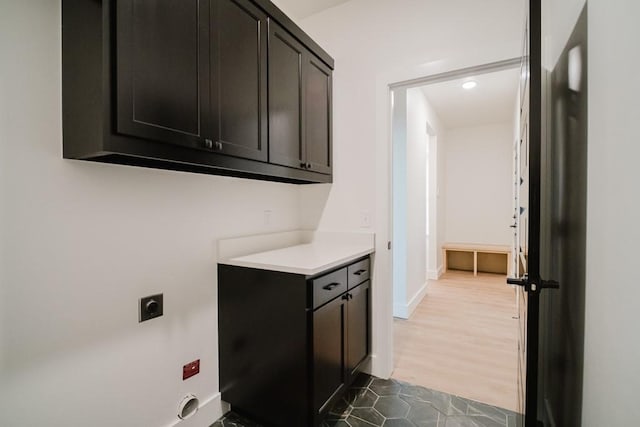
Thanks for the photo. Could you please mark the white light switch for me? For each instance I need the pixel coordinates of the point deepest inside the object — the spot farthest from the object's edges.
(365, 219)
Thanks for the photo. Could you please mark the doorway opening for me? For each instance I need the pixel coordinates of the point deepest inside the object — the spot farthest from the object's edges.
(453, 193)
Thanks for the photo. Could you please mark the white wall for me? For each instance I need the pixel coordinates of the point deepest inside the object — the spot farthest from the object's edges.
(81, 242)
(441, 198)
(612, 341)
(400, 203)
(410, 141)
(479, 184)
(414, 256)
(417, 140)
(368, 39)
(375, 44)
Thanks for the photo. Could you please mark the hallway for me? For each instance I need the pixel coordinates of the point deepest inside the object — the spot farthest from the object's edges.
(462, 339)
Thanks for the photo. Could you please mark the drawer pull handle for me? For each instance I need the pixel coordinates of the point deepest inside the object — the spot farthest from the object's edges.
(330, 286)
(359, 272)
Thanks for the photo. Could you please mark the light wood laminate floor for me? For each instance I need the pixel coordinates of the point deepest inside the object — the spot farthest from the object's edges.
(462, 339)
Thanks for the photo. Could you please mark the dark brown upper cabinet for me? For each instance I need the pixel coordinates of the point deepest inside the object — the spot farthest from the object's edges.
(317, 114)
(194, 85)
(162, 76)
(299, 105)
(239, 78)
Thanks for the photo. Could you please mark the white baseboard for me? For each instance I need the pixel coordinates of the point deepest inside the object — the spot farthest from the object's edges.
(208, 412)
(440, 272)
(417, 298)
(404, 311)
(379, 368)
(432, 274)
(401, 311)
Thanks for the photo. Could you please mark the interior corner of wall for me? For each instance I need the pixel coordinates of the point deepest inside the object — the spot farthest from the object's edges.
(415, 300)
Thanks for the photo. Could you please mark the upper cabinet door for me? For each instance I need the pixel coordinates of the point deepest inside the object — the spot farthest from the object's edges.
(286, 145)
(317, 114)
(239, 79)
(163, 70)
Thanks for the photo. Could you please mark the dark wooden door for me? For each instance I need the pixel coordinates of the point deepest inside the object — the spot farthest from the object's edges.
(286, 145)
(317, 114)
(357, 326)
(529, 218)
(329, 335)
(239, 79)
(522, 225)
(563, 234)
(163, 70)
(552, 244)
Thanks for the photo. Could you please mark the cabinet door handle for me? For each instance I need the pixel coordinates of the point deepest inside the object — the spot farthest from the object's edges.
(359, 272)
(208, 143)
(303, 165)
(218, 145)
(330, 286)
(308, 166)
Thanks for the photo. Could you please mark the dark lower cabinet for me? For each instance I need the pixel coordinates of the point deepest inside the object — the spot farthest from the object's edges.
(290, 344)
(329, 337)
(357, 347)
(195, 85)
(340, 344)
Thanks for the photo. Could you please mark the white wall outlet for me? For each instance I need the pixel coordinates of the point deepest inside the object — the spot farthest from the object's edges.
(267, 217)
(365, 219)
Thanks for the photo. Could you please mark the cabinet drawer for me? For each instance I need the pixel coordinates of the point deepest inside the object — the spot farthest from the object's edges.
(358, 272)
(327, 287)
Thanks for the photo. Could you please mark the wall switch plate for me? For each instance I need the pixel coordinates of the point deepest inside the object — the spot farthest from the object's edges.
(150, 307)
(190, 369)
(365, 219)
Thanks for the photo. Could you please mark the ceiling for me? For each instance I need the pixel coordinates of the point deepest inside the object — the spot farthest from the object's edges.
(300, 9)
(492, 101)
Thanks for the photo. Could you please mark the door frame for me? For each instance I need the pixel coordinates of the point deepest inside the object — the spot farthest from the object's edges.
(382, 363)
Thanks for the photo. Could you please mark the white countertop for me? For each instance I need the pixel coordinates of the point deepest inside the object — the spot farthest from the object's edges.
(308, 259)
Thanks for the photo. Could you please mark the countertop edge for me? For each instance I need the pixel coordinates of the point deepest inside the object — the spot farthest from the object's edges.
(298, 270)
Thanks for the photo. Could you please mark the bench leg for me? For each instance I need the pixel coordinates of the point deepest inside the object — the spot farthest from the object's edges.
(475, 263)
(445, 263)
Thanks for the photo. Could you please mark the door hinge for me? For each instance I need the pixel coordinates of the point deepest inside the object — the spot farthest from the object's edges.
(389, 245)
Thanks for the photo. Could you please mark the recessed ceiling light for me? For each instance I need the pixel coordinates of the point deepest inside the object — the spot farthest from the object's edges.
(469, 85)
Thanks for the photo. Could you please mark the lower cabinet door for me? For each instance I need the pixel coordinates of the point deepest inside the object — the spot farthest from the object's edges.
(357, 327)
(329, 333)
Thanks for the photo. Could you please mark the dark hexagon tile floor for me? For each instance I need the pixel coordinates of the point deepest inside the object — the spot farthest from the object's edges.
(374, 402)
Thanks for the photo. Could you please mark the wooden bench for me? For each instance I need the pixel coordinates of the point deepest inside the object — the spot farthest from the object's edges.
(477, 257)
